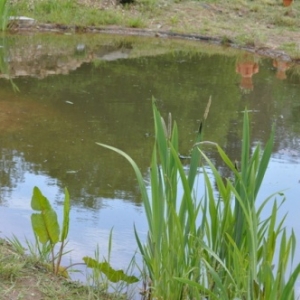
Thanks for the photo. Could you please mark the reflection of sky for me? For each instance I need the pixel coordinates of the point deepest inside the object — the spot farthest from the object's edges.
(285, 176)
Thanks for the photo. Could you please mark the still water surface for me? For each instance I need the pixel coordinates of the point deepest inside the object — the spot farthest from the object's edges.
(75, 91)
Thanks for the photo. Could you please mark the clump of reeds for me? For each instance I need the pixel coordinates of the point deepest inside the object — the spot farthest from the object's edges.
(216, 247)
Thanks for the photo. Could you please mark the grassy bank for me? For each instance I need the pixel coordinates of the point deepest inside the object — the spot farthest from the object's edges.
(257, 23)
(25, 277)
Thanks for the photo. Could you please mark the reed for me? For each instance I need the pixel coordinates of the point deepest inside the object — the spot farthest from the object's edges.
(219, 246)
(172, 244)
(238, 245)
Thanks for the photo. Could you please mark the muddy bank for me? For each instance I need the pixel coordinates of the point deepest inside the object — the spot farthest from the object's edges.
(21, 27)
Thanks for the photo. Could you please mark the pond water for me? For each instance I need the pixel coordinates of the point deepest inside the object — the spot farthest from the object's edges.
(76, 90)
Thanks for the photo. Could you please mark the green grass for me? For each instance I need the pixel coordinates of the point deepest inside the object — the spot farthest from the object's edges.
(25, 277)
(250, 23)
(135, 23)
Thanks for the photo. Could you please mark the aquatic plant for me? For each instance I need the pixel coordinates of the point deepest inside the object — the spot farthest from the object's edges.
(48, 235)
(46, 227)
(218, 246)
(238, 245)
(172, 244)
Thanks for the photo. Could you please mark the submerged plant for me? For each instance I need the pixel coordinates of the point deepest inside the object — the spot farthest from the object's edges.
(216, 247)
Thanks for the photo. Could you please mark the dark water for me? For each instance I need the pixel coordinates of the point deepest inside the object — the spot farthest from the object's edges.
(75, 91)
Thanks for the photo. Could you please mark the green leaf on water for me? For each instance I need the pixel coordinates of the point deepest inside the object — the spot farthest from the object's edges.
(111, 274)
(38, 201)
(44, 224)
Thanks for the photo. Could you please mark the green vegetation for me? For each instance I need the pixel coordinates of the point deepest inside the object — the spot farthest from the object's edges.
(254, 23)
(4, 14)
(46, 227)
(25, 277)
(218, 247)
(48, 235)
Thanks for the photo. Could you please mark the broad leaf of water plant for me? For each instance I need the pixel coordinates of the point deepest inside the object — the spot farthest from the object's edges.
(38, 201)
(111, 274)
(44, 224)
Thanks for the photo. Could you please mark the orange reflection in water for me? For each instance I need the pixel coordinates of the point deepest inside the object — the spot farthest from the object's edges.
(247, 67)
(281, 67)
(287, 2)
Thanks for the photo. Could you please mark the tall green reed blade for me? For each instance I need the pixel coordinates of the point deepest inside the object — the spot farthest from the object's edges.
(247, 249)
(4, 14)
(249, 178)
(172, 244)
(142, 187)
(195, 156)
(139, 177)
(239, 224)
(192, 173)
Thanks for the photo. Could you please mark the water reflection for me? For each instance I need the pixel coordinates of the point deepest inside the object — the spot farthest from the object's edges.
(4, 61)
(247, 66)
(79, 90)
(39, 61)
(281, 67)
(109, 100)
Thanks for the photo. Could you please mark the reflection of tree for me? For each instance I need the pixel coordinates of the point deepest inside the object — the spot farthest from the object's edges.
(4, 61)
(112, 104)
(12, 169)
